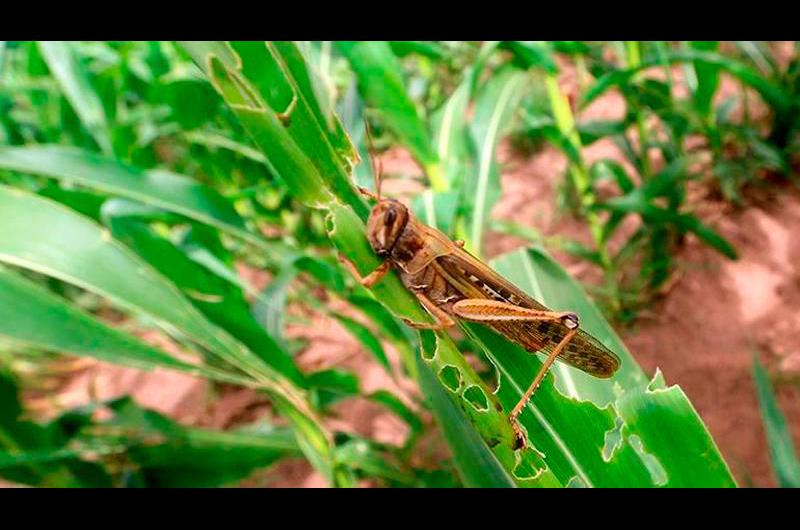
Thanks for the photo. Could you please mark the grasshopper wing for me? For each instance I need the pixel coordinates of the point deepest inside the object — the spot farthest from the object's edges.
(475, 279)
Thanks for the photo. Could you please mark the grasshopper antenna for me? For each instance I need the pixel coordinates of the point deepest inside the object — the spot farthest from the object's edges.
(377, 165)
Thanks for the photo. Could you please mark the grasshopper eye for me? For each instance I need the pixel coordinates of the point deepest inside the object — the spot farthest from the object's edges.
(391, 217)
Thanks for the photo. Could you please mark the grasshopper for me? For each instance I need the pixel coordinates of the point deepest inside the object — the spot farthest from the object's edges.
(451, 284)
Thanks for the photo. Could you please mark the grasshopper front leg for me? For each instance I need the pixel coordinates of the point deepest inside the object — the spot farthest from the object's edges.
(443, 320)
(481, 310)
(370, 279)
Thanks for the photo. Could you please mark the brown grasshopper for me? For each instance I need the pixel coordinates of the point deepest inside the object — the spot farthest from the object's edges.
(451, 283)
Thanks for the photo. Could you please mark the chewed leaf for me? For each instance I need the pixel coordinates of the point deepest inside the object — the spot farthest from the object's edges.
(475, 462)
(585, 428)
(670, 430)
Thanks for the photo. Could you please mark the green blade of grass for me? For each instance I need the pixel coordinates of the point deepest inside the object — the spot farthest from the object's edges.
(494, 108)
(74, 82)
(707, 79)
(783, 457)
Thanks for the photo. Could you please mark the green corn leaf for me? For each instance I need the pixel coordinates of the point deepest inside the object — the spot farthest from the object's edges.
(162, 189)
(771, 93)
(219, 301)
(32, 316)
(707, 76)
(429, 49)
(596, 432)
(494, 108)
(451, 134)
(269, 101)
(633, 203)
(315, 95)
(192, 457)
(438, 208)
(53, 240)
(380, 81)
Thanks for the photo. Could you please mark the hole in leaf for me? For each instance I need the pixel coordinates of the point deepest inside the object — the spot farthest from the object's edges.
(476, 397)
(429, 345)
(576, 482)
(330, 224)
(450, 376)
(654, 467)
(613, 440)
(529, 468)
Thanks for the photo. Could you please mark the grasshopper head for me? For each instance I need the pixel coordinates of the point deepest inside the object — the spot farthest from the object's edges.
(385, 224)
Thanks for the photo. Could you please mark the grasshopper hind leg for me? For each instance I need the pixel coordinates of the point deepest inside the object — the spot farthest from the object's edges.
(487, 311)
(520, 439)
(443, 320)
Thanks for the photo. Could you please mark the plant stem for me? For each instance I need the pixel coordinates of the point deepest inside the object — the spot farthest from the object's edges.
(565, 121)
(633, 59)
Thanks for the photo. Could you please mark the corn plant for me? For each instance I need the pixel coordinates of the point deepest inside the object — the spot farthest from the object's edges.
(146, 205)
(654, 194)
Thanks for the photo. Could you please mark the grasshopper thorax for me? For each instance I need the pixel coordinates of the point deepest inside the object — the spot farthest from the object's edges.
(385, 224)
